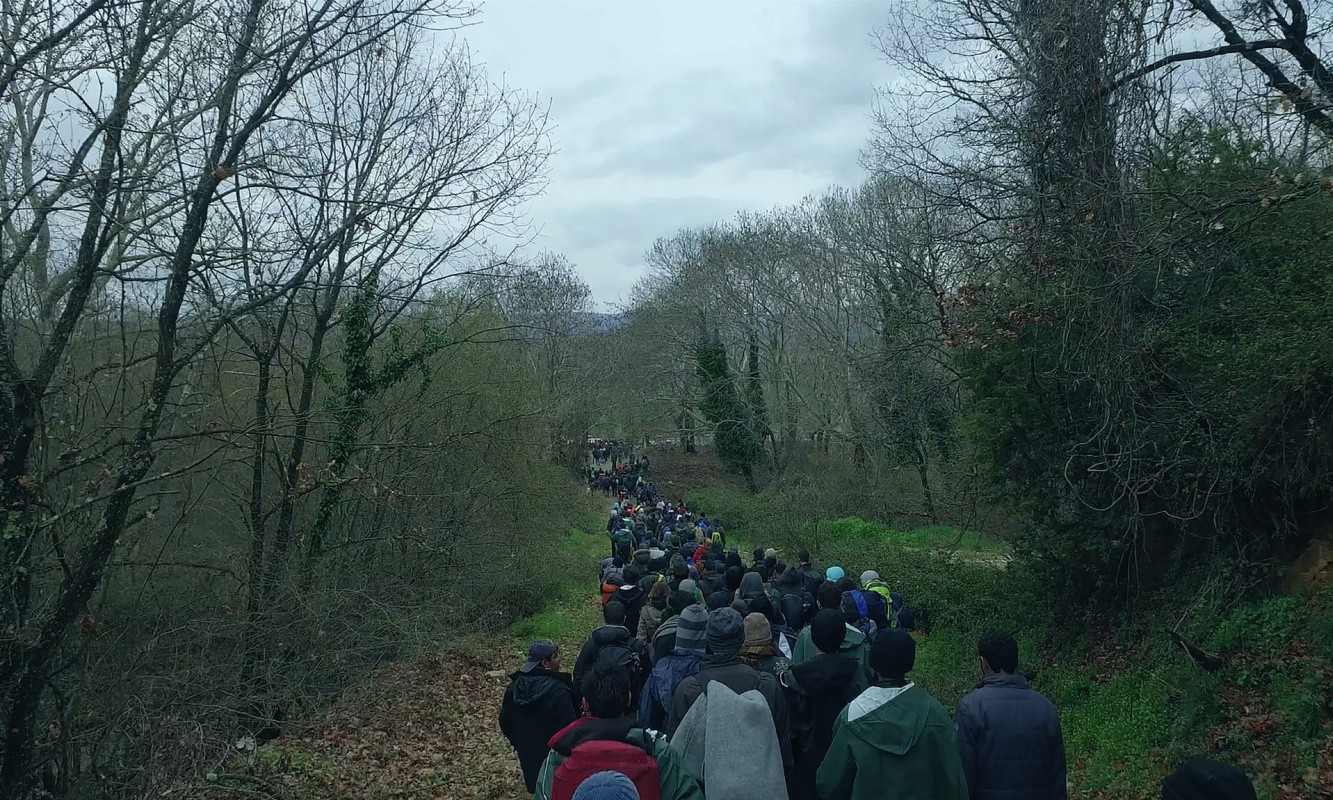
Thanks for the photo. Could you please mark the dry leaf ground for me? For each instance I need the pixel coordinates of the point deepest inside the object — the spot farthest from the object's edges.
(421, 729)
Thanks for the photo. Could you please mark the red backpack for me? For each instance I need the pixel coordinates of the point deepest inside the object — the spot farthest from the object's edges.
(593, 757)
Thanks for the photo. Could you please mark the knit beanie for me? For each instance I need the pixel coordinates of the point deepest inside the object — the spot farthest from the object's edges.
(1207, 780)
(692, 628)
(827, 630)
(834, 574)
(893, 654)
(726, 632)
(680, 600)
(678, 568)
(757, 630)
(770, 553)
(718, 600)
(606, 786)
(868, 576)
(690, 586)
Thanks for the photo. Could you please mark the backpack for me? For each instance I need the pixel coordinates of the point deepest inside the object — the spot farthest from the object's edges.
(622, 656)
(590, 758)
(610, 587)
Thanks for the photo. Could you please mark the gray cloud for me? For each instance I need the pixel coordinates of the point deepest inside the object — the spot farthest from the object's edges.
(674, 114)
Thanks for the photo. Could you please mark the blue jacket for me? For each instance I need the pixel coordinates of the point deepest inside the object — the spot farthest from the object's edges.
(655, 702)
(1009, 739)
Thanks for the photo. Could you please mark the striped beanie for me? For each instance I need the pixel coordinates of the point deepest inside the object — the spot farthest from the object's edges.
(692, 628)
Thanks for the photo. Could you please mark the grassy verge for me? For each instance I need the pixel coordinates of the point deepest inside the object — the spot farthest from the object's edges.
(573, 610)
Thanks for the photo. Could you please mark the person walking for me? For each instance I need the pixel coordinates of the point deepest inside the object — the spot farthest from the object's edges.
(610, 738)
(684, 660)
(892, 735)
(538, 703)
(1009, 734)
(817, 692)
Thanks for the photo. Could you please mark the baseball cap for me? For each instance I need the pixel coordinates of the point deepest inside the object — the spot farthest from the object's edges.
(538, 652)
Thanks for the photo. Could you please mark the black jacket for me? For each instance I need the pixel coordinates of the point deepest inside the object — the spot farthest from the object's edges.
(1010, 742)
(811, 578)
(537, 705)
(817, 692)
(603, 637)
(634, 599)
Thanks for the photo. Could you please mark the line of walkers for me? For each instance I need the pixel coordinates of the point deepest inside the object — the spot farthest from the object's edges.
(707, 682)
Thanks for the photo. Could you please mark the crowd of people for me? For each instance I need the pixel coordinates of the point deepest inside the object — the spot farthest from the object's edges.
(711, 678)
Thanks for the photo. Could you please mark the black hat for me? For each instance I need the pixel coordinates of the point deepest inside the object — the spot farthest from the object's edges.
(538, 652)
(827, 630)
(1200, 779)
(726, 632)
(893, 654)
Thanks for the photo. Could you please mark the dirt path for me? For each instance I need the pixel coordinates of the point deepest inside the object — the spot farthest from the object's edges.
(420, 729)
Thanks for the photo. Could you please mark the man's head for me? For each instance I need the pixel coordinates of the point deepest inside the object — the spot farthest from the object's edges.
(827, 631)
(999, 653)
(758, 632)
(802, 557)
(830, 596)
(614, 613)
(758, 554)
(868, 576)
(606, 690)
(726, 632)
(893, 654)
(632, 574)
(542, 653)
(833, 574)
(692, 629)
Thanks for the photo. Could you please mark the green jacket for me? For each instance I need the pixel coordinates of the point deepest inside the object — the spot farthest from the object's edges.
(855, 645)
(891, 743)
(675, 783)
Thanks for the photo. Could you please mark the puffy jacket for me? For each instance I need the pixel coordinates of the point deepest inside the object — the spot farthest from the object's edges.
(536, 706)
(1010, 742)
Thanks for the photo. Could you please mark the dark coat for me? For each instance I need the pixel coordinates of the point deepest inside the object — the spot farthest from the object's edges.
(667, 674)
(817, 692)
(1009, 740)
(537, 705)
(811, 578)
(602, 637)
(634, 599)
(740, 678)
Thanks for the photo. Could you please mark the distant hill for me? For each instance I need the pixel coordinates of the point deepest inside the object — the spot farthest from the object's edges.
(595, 322)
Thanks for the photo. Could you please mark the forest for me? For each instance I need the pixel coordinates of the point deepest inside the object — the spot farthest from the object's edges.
(280, 354)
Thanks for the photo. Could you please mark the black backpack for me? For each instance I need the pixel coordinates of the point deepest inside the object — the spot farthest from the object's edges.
(620, 654)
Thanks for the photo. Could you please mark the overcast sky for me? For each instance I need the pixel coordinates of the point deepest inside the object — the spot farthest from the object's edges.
(676, 113)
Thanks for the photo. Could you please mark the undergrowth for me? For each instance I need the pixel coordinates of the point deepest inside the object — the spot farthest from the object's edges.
(1132, 704)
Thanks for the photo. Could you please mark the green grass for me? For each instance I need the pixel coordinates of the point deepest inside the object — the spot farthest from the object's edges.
(570, 613)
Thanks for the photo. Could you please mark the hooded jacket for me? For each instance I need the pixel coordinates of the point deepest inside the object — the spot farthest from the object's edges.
(603, 637)
(817, 692)
(536, 706)
(894, 742)
(673, 782)
(856, 645)
(1010, 742)
(752, 585)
